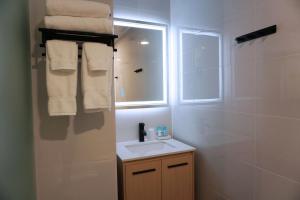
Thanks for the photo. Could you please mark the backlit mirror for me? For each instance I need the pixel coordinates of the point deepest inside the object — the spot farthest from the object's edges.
(140, 64)
(200, 66)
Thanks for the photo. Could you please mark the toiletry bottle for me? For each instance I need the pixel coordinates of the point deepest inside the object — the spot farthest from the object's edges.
(159, 131)
(165, 131)
(151, 134)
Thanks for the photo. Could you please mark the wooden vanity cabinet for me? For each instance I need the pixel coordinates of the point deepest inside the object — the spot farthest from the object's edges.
(143, 180)
(162, 178)
(178, 178)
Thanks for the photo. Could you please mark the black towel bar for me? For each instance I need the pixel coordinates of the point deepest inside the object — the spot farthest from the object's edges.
(79, 47)
(77, 36)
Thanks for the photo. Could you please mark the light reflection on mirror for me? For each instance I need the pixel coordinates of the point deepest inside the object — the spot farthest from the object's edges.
(200, 67)
(140, 64)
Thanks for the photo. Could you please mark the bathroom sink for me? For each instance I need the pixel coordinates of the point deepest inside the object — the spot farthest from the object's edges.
(143, 148)
(135, 150)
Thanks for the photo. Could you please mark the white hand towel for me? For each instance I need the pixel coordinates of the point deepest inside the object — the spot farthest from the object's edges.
(62, 80)
(77, 8)
(95, 25)
(96, 84)
(62, 55)
(99, 56)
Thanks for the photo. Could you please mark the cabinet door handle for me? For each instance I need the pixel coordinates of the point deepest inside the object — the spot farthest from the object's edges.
(144, 171)
(177, 165)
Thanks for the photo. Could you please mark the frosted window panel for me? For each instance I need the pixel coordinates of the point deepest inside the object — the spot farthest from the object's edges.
(200, 67)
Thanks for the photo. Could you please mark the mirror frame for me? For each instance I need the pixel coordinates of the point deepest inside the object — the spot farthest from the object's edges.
(207, 33)
(151, 26)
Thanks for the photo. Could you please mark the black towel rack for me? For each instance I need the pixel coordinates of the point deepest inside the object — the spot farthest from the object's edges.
(78, 36)
(257, 34)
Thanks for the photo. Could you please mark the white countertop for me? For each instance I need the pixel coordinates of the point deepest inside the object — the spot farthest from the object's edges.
(135, 150)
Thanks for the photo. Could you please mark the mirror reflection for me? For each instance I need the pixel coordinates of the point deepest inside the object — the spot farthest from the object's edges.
(140, 64)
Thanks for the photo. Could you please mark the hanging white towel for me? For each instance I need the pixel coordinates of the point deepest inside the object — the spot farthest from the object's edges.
(97, 62)
(62, 55)
(77, 8)
(61, 75)
(99, 56)
(95, 25)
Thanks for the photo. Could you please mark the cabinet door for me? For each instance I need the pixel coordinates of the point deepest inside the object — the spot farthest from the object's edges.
(143, 180)
(178, 178)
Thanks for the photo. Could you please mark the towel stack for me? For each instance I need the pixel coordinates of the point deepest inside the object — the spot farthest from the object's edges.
(62, 58)
(87, 16)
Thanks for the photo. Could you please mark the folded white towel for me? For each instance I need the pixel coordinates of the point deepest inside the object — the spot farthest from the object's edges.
(61, 81)
(77, 8)
(96, 84)
(99, 56)
(95, 25)
(62, 55)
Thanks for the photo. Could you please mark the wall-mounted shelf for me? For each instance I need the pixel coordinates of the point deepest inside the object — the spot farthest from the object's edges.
(77, 36)
(257, 34)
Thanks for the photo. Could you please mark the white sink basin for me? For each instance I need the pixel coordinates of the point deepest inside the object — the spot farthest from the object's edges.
(143, 148)
(135, 150)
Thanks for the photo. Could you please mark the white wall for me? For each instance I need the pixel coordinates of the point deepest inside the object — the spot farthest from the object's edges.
(75, 157)
(191, 122)
(143, 10)
(127, 120)
(248, 146)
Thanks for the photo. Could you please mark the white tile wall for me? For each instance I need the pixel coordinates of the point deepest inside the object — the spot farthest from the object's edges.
(248, 146)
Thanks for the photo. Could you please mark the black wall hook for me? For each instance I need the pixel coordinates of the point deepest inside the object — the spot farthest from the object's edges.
(257, 34)
(138, 70)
